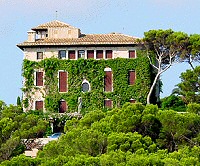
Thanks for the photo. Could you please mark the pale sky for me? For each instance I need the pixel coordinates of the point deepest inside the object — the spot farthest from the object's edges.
(131, 17)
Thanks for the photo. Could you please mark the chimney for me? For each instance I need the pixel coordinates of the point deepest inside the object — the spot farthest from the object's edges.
(31, 36)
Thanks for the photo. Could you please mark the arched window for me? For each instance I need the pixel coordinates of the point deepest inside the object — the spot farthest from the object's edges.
(85, 86)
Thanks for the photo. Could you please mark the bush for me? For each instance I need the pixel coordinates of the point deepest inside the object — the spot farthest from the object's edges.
(173, 102)
(193, 108)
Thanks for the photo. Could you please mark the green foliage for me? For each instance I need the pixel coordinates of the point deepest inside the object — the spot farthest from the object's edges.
(158, 41)
(27, 72)
(2, 105)
(178, 129)
(150, 109)
(19, 101)
(93, 71)
(193, 108)
(100, 133)
(173, 102)
(91, 117)
(150, 125)
(19, 161)
(131, 142)
(133, 135)
(25, 103)
(192, 54)
(189, 87)
(195, 46)
(16, 126)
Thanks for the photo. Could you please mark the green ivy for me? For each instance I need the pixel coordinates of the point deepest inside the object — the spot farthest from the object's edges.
(93, 71)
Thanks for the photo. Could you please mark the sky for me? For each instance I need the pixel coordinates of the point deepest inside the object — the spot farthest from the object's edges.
(131, 17)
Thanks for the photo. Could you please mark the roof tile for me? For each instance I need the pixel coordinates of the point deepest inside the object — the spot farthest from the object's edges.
(54, 23)
(89, 39)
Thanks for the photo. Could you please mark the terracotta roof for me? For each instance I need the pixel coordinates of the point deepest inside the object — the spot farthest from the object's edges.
(54, 23)
(90, 39)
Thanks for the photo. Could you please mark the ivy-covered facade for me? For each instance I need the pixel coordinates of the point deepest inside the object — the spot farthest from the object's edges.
(66, 71)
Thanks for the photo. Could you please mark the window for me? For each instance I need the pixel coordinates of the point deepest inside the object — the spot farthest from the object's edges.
(132, 100)
(71, 54)
(90, 54)
(131, 77)
(85, 86)
(62, 81)
(62, 54)
(108, 80)
(81, 54)
(132, 54)
(108, 103)
(39, 55)
(39, 78)
(108, 54)
(99, 54)
(62, 106)
(38, 105)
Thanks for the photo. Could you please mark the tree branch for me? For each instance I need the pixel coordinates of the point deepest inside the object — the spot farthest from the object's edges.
(152, 63)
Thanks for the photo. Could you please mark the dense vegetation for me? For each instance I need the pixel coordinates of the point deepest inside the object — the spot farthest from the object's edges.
(16, 128)
(93, 72)
(189, 88)
(133, 135)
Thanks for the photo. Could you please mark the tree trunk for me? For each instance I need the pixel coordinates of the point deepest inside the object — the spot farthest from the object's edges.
(152, 87)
